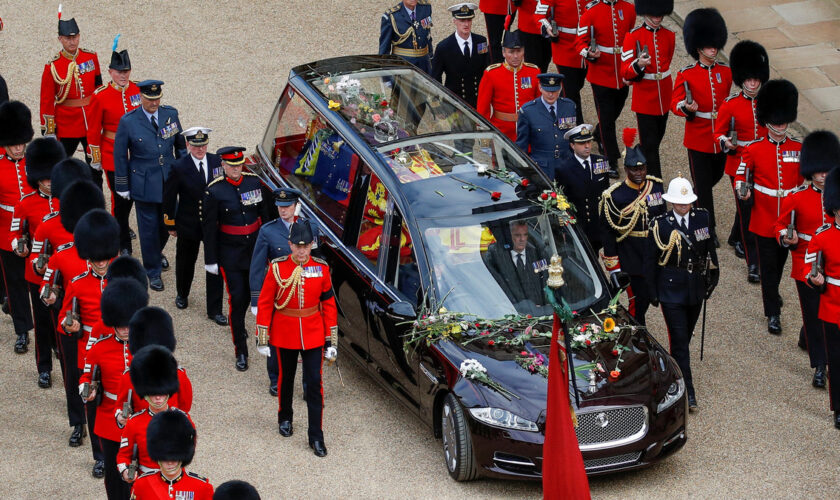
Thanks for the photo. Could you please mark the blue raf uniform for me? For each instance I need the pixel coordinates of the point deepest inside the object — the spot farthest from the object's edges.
(540, 133)
(145, 148)
(407, 34)
(584, 180)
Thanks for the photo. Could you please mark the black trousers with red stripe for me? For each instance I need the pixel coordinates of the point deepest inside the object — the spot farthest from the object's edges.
(69, 351)
(609, 103)
(239, 301)
(640, 297)
(573, 80)
(115, 487)
(831, 332)
(771, 263)
(44, 330)
(312, 362)
(13, 276)
(651, 132)
(809, 302)
(741, 226)
(706, 171)
(680, 319)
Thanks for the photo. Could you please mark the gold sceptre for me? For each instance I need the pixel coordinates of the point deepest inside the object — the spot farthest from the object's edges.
(555, 272)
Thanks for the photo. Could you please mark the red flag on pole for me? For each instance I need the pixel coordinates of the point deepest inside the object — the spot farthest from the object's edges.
(563, 474)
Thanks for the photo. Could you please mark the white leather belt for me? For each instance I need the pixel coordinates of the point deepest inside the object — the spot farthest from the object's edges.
(804, 237)
(609, 50)
(87, 328)
(657, 76)
(707, 115)
(7, 208)
(776, 193)
(832, 281)
(110, 395)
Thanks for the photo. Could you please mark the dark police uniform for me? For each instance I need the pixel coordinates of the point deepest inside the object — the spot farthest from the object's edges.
(233, 213)
(408, 35)
(143, 156)
(684, 271)
(584, 180)
(462, 66)
(540, 127)
(182, 200)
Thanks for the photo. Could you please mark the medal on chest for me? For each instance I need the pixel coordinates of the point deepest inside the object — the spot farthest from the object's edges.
(312, 272)
(525, 82)
(251, 197)
(654, 199)
(168, 130)
(701, 234)
(790, 156)
(134, 100)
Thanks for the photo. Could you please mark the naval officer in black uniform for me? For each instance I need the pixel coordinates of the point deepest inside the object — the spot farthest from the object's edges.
(235, 206)
(462, 56)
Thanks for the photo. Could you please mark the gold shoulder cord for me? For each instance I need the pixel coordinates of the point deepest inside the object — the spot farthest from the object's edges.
(64, 83)
(292, 282)
(673, 240)
(633, 211)
(402, 36)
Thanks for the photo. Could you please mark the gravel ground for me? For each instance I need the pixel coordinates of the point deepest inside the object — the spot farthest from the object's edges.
(762, 431)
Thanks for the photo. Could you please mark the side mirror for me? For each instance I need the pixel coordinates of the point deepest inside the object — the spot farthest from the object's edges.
(620, 280)
(402, 310)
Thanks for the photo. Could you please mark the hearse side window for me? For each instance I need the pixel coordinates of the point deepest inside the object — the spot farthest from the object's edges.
(314, 158)
(402, 272)
(373, 218)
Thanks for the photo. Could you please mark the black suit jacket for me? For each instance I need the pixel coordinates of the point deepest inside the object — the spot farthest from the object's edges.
(584, 189)
(524, 291)
(462, 78)
(184, 194)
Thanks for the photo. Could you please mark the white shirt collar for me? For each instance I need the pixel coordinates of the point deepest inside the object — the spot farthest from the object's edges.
(196, 160)
(514, 253)
(680, 219)
(462, 40)
(150, 115)
(410, 11)
(581, 160)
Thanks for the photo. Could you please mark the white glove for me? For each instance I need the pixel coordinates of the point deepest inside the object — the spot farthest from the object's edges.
(212, 268)
(124, 194)
(97, 166)
(254, 310)
(264, 350)
(330, 353)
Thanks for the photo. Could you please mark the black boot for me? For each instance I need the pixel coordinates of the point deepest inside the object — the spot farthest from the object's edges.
(739, 250)
(22, 343)
(752, 274)
(837, 419)
(77, 437)
(819, 377)
(774, 325)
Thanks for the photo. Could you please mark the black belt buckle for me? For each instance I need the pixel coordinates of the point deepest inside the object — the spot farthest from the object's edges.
(690, 267)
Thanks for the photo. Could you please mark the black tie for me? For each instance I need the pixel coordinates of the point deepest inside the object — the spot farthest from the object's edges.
(201, 169)
(520, 264)
(684, 225)
(467, 50)
(154, 123)
(553, 115)
(586, 164)
(412, 17)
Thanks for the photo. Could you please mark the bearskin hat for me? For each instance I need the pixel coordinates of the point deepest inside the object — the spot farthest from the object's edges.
(820, 153)
(748, 59)
(77, 199)
(41, 156)
(831, 193)
(654, 7)
(171, 436)
(149, 326)
(15, 124)
(236, 490)
(154, 371)
(126, 266)
(703, 28)
(97, 236)
(776, 102)
(66, 172)
(122, 298)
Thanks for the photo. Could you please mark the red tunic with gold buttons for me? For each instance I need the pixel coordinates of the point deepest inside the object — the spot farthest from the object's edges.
(182, 399)
(109, 104)
(308, 317)
(709, 87)
(503, 90)
(67, 85)
(566, 15)
(35, 208)
(653, 85)
(111, 355)
(87, 287)
(154, 486)
(611, 20)
(13, 187)
(806, 204)
(775, 173)
(827, 241)
(135, 432)
(529, 20)
(742, 108)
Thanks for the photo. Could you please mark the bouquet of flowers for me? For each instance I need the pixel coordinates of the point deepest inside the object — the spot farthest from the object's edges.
(472, 369)
(533, 362)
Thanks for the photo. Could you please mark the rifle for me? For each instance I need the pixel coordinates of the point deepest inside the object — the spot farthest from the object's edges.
(73, 315)
(791, 229)
(689, 99)
(135, 463)
(744, 188)
(127, 409)
(54, 288)
(553, 23)
(96, 383)
(24, 239)
(88, 387)
(817, 267)
(593, 45)
(641, 52)
(44, 256)
(733, 137)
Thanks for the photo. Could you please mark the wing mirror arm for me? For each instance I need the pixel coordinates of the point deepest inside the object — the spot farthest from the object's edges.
(402, 310)
(620, 280)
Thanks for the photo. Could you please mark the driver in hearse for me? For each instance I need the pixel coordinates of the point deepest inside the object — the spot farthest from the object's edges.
(520, 269)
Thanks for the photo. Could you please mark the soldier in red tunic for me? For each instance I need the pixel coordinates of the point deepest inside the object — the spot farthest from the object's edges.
(296, 313)
(537, 46)
(802, 214)
(171, 441)
(110, 358)
(708, 83)
(774, 165)
(495, 13)
(611, 20)
(67, 85)
(15, 132)
(506, 87)
(649, 72)
(41, 155)
(823, 255)
(562, 30)
(109, 104)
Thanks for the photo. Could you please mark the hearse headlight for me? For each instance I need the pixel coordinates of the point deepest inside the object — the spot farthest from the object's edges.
(674, 393)
(498, 417)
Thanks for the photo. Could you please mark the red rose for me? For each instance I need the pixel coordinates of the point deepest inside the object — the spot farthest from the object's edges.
(477, 325)
(588, 342)
(615, 374)
(529, 316)
(615, 352)
(553, 194)
(524, 353)
(491, 342)
(383, 103)
(495, 195)
(544, 196)
(525, 182)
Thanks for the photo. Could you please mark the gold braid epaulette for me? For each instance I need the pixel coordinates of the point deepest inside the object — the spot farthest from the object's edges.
(290, 284)
(674, 240)
(632, 211)
(64, 83)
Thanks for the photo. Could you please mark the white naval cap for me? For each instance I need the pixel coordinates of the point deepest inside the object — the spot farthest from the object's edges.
(197, 136)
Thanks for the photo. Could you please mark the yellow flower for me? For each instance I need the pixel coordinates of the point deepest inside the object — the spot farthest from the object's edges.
(334, 105)
(455, 329)
(327, 81)
(442, 310)
(562, 204)
(609, 325)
